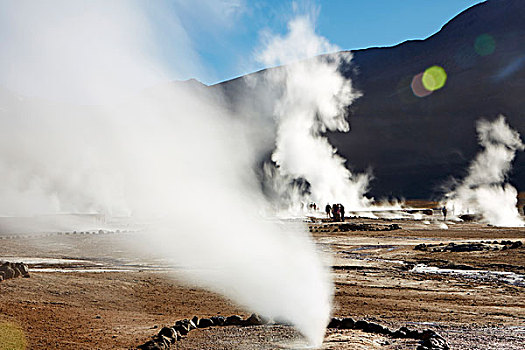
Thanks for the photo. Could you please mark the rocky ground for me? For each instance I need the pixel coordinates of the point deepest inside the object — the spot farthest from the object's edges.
(84, 292)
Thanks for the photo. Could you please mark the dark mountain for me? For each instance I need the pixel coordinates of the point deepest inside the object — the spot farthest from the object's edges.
(414, 144)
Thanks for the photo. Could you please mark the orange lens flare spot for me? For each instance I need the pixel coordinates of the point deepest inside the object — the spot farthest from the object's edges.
(417, 86)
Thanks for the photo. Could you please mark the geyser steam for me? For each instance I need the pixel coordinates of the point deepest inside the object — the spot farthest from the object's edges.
(314, 99)
(169, 156)
(484, 189)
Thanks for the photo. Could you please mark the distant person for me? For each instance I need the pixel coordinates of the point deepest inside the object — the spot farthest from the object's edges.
(336, 212)
(342, 210)
(328, 210)
(444, 211)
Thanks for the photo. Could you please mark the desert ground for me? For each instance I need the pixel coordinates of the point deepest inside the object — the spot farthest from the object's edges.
(86, 293)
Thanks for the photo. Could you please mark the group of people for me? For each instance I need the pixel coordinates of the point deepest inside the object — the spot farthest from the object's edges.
(312, 206)
(335, 211)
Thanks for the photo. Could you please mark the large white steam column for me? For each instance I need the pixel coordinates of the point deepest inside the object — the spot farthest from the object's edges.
(314, 99)
(485, 190)
(168, 156)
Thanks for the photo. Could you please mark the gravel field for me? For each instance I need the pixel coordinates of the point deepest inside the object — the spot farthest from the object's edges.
(89, 292)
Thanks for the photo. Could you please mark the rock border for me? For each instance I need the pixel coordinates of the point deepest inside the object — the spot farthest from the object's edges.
(428, 339)
(65, 233)
(469, 246)
(351, 227)
(10, 270)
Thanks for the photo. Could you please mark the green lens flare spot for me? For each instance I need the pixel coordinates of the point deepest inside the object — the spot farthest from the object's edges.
(484, 44)
(12, 336)
(434, 78)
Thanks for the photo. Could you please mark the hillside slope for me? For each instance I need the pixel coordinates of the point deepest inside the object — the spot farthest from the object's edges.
(414, 144)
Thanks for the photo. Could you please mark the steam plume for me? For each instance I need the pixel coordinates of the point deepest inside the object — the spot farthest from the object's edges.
(484, 189)
(169, 156)
(313, 100)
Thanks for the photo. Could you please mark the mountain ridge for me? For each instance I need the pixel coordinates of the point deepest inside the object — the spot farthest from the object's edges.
(414, 145)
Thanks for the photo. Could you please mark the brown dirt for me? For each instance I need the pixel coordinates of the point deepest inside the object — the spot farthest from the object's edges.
(117, 310)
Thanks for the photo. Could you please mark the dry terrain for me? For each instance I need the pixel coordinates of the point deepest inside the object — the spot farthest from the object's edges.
(87, 293)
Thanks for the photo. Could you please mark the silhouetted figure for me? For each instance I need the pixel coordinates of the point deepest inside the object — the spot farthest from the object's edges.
(336, 212)
(444, 211)
(342, 211)
(328, 210)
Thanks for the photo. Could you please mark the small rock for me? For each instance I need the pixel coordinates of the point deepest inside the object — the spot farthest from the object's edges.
(415, 334)
(253, 320)
(181, 328)
(164, 342)
(8, 272)
(377, 328)
(205, 323)
(361, 324)
(399, 334)
(16, 271)
(347, 323)
(23, 269)
(408, 332)
(190, 325)
(433, 341)
(428, 333)
(170, 333)
(264, 320)
(335, 322)
(234, 320)
(422, 247)
(218, 320)
(282, 323)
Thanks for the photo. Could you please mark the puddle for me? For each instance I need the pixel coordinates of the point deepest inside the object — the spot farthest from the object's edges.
(94, 270)
(481, 275)
(88, 265)
(69, 270)
(370, 247)
(46, 261)
(388, 261)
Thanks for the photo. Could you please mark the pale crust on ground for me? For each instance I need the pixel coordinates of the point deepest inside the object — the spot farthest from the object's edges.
(117, 310)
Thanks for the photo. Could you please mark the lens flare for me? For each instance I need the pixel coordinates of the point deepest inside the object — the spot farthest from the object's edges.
(434, 78)
(12, 336)
(417, 86)
(484, 45)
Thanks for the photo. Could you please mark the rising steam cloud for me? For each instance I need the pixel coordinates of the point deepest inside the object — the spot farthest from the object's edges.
(89, 138)
(313, 100)
(484, 190)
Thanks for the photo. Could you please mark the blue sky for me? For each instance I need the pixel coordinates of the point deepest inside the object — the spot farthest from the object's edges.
(225, 33)
(138, 44)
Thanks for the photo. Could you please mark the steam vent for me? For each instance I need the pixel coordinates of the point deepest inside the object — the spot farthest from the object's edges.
(262, 175)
